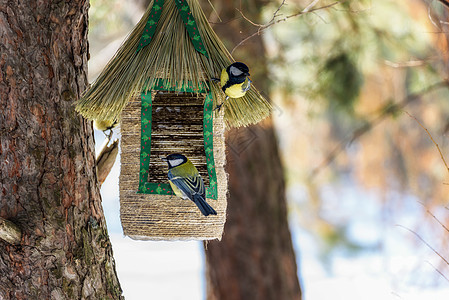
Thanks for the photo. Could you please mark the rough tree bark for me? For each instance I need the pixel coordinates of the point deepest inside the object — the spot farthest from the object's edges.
(48, 186)
(255, 259)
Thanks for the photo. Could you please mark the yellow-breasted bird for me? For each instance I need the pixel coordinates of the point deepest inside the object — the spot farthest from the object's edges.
(187, 183)
(105, 125)
(234, 81)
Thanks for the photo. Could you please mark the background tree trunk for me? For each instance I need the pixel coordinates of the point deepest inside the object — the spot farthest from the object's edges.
(47, 175)
(255, 259)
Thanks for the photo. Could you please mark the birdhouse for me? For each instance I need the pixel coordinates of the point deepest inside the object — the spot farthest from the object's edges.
(157, 123)
(159, 86)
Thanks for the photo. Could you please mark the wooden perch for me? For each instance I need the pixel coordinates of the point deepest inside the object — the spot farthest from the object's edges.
(106, 159)
(10, 232)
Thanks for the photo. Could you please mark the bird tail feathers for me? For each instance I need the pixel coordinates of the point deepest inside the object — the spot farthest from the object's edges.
(204, 207)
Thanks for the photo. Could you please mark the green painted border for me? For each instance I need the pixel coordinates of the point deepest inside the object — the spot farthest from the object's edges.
(150, 26)
(191, 26)
(187, 19)
(146, 187)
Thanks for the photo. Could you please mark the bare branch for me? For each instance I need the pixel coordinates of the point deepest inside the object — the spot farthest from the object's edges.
(436, 219)
(385, 112)
(431, 137)
(262, 27)
(277, 11)
(275, 14)
(248, 20)
(439, 272)
(425, 243)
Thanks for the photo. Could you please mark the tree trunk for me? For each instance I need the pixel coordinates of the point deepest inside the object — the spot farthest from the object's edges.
(255, 259)
(48, 186)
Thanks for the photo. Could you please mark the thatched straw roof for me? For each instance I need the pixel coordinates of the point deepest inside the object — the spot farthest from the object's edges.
(170, 55)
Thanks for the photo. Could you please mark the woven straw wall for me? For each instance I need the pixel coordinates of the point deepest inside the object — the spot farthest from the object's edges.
(162, 217)
(177, 127)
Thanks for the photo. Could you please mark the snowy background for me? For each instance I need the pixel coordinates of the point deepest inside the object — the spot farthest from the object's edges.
(390, 270)
(381, 258)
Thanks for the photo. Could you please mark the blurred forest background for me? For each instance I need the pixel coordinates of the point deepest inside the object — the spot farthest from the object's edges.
(361, 112)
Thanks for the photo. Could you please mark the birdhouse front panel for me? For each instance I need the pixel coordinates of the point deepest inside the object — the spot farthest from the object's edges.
(162, 122)
(177, 122)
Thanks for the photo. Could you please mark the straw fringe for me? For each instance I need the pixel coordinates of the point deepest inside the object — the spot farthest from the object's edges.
(170, 55)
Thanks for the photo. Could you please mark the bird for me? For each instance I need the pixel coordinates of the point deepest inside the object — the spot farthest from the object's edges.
(186, 182)
(105, 125)
(105, 160)
(234, 81)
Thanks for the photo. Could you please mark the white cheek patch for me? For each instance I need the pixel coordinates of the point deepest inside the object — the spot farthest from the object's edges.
(234, 71)
(176, 162)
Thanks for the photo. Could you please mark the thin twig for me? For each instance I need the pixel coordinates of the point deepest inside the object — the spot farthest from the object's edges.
(248, 20)
(431, 137)
(262, 27)
(277, 11)
(427, 244)
(439, 272)
(436, 219)
(275, 14)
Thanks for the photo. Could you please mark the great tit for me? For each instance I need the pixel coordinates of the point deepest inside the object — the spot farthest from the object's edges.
(187, 183)
(105, 125)
(234, 81)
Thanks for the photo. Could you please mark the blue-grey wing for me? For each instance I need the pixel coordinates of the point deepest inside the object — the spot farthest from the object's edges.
(246, 85)
(190, 185)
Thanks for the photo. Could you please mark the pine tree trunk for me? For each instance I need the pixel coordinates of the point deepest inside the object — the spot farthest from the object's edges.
(48, 186)
(255, 259)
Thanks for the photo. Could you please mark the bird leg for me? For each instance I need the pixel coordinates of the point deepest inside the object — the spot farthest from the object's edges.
(108, 136)
(218, 107)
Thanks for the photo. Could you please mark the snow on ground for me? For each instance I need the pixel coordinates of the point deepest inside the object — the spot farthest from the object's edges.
(159, 270)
